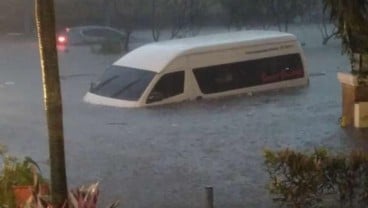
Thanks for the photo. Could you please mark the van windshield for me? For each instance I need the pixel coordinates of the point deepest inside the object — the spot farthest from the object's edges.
(122, 83)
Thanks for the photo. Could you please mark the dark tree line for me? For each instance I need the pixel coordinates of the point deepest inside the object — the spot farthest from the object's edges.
(243, 13)
(180, 17)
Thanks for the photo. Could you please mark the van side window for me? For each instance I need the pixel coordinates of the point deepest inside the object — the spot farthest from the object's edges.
(169, 85)
(225, 77)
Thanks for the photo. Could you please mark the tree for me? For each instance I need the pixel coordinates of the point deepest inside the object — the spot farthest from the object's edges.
(243, 13)
(187, 16)
(351, 20)
(16, 16)
(88, 12)
(236, 11)
(311, 11)
(285, 11)
(157, 13)
(108, 8)
(327, 29)
(129, 13)
(45, 19)
(327, 32)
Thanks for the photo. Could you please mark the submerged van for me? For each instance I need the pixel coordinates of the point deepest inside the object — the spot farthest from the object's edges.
(209, 66)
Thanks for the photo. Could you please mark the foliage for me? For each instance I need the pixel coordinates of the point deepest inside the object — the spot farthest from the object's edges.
(9, 14)
(327, 29)
(295, 178)
(88, 14)
(351, 20)
(86, 197)
(350, 17)
(157, 14)
(186, 16)
(82, 197)
(240, 12)
(15, 172)
(285, 11)
(318, 179)
(129, 13)
(262, 12)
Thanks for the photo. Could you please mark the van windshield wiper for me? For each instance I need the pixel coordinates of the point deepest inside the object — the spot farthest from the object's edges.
(99, 86)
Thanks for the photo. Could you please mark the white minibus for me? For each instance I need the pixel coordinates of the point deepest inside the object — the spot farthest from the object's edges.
(208, 66)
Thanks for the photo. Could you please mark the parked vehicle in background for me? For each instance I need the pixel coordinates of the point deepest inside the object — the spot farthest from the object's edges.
(89, 35)
(202, 67)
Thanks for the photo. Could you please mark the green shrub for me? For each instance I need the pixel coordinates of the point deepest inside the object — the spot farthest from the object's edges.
(15, 172)
(318, 179)
(81, 197)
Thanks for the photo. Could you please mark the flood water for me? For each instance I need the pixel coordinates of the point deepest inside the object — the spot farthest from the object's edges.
(165, 156)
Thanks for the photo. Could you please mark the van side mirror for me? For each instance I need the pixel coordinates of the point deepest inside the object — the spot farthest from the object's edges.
(155, 96)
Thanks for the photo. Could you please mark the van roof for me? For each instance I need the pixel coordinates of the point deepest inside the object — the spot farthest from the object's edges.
(156, 56)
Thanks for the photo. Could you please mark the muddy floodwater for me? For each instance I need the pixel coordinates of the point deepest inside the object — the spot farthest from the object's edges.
(165, 156)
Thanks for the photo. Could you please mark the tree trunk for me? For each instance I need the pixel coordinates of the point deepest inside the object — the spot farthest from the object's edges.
(155, 21)
(45, 19)
(108, 12)
(128, 34)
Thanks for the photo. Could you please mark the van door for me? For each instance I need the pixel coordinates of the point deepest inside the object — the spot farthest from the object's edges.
(169, 88)
(171, 85)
